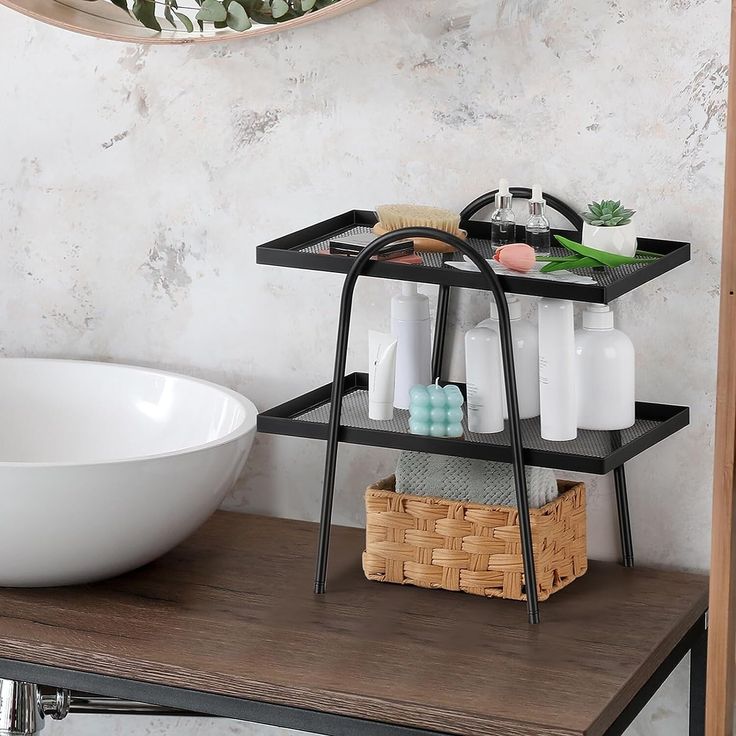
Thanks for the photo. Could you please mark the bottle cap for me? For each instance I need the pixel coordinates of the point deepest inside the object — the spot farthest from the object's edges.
(536, 203)
(410, 305)
(598, 317)
(504, 197)
(514, 308)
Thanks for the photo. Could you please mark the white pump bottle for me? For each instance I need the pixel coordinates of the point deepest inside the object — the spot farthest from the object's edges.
(411, 326)
(605, 372)
(526, 357)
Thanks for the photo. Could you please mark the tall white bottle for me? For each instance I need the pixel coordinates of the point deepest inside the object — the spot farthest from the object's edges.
(411, 326)
(526, 357)
(484, 380)
(557, 396)
(605, 370)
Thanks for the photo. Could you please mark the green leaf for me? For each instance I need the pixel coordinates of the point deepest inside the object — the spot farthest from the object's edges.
(169, 15)
(185, 21)
(145, 12)
(575, 263)
(237, 18)
(122, 4)
(307, 5)
(279, 8)
(604, 258)
(212, 11)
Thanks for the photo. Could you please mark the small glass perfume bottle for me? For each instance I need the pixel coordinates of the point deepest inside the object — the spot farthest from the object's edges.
(537, 226)
(503, 220)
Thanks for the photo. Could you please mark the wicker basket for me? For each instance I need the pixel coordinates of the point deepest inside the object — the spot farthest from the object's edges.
(439, 543)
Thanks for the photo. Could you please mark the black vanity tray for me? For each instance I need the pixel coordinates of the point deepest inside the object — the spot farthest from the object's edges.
(302, 250)
(592, 452)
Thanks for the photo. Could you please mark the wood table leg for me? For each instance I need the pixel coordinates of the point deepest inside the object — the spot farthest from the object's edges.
(721, 643)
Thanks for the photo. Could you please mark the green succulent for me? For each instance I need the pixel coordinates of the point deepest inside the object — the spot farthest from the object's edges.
(607, 213)
(238, 15)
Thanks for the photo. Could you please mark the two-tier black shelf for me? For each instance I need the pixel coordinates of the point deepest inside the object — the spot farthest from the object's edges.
(338, 411)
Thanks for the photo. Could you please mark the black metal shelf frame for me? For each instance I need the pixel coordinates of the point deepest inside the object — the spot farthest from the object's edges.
(593, 452)
(289, 251)
(302, 250)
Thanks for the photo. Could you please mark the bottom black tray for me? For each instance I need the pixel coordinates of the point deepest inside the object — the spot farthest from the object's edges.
(592, 452)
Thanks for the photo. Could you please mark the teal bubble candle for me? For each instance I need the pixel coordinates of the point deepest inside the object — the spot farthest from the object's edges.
(436, 411)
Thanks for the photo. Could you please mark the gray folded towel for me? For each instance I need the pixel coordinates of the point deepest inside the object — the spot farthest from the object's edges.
(464, 479)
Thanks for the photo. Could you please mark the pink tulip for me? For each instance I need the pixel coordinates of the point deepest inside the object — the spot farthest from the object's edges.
(516, 256)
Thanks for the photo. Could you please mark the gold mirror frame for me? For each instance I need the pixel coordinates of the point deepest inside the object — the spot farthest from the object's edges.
(102, 19)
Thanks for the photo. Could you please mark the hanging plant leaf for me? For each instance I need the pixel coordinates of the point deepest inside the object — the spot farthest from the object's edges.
(237, 18)
(218, 12)
(185, 21)
(212, 11)
(279, 8)
(145, 12)
(122, 4)
(169, 15)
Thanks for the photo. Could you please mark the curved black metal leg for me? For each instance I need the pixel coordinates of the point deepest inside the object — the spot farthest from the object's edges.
(440, 330)
(624, 518)
(512, 401)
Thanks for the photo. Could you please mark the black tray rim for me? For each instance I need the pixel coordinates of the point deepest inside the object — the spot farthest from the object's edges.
(287, 251)
(281, 420)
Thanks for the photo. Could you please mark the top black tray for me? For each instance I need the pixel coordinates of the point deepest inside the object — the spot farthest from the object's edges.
(301, 250)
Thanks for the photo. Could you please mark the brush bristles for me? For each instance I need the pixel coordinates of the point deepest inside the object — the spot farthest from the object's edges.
(397, 216)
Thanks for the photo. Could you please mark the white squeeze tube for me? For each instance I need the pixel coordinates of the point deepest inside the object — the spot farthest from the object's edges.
(484, 380)
(381, 375)
(557, 391)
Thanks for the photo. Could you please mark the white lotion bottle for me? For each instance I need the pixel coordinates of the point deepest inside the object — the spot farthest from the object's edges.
(526, 357)
(605, 370)
(557, 395)
(411, 326)
(484, 380)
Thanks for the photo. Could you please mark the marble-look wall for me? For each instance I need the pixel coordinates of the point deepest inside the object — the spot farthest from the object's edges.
(135, 184)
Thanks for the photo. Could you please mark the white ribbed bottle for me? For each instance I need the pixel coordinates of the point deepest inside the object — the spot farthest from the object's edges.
(557, 395)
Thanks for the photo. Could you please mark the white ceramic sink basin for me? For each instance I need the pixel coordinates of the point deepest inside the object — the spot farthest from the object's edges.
(105, 467)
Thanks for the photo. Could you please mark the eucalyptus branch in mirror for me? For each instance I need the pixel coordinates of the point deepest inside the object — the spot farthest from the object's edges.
(238, 15)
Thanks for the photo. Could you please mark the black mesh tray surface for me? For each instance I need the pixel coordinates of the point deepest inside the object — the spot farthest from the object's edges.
(303, 249)
(592, 452)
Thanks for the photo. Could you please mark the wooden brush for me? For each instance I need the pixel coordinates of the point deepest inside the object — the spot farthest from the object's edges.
(396, 216)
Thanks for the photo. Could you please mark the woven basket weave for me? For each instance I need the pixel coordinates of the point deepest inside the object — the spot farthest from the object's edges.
(438, 543)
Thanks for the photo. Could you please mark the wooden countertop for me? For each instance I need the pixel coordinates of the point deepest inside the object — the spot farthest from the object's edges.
(231, 612)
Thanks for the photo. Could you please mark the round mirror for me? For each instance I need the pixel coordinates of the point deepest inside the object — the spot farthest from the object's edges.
(180, 21)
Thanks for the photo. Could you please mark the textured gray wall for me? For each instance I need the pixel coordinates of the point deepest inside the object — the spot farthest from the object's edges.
(135, 184)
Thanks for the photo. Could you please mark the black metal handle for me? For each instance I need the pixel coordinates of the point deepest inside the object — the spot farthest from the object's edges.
(553, 203)
(507, 355)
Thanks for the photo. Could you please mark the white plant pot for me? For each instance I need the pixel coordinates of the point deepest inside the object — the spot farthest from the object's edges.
(620, 240)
